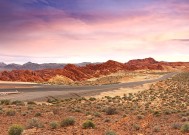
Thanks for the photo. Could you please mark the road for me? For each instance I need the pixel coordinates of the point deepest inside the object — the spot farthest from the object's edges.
(41, 91)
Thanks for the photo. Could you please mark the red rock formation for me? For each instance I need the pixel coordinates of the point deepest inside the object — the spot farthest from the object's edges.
(139, 64)
(142, 61)
(77, 73)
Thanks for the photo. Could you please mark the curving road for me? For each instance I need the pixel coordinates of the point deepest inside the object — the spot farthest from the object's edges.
(41, 91)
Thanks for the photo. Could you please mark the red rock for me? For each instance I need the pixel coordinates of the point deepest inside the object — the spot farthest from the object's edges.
(77, 73)
(142, 61)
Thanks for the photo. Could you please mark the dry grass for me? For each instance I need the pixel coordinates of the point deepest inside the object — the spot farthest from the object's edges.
(60, 80)
(159, 110)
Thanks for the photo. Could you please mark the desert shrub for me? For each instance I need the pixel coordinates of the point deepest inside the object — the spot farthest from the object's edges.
(110, 133)
(53, 100)
(176, 125)
(10, 113)
(92, 99)
(97, 114)
(88, 113)
(34, 122)
(53, 124)
(140, 117)
(110, 111)
(136, 127)
(38, 114)
(183, 119)
(67, 122)
(185, 128)
(167, 112)
(1, 111)
(30, 107)
(15, 130)
(156, 129)
(17, 102)
(77, 110)
(156, 113)
(31, 103)
(5, 102)
(24, 113)
(88, 124)
(107, 120)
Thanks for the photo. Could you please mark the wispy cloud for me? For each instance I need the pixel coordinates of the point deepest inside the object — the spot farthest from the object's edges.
(182, 40)
(84, 28)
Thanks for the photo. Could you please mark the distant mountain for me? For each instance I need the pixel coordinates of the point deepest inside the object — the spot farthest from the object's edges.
(35, 66)
(76, 72)
(2, 64)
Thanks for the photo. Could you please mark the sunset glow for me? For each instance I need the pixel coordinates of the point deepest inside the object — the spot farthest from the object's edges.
(93, 30)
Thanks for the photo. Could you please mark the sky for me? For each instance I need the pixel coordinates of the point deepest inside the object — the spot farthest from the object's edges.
(73, 31)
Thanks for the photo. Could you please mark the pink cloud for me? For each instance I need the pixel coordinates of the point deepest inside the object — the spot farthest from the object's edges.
(147, 34)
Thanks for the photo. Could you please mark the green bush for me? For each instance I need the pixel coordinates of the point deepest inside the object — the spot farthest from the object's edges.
(15, 130)
(67, 122)
(185, 128)
(53, 125)
(88, 124)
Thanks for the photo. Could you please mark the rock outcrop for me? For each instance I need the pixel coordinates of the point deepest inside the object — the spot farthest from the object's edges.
(80, 73)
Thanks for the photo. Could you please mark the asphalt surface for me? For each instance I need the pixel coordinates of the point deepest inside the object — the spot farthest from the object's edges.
(40, 91)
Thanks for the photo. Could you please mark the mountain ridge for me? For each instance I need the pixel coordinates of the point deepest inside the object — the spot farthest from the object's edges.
(35, 66)
(81, 73)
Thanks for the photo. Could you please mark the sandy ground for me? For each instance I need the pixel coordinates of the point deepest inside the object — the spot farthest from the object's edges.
(31, 95)
(119, 92)
(9, 87)
(122, 91)
(140, 77)
(125, 76)
(10, 82)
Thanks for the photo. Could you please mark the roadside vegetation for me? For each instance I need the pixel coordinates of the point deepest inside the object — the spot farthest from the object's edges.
(162, 109)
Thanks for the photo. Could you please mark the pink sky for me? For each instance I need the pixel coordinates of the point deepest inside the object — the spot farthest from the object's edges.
(156, 30)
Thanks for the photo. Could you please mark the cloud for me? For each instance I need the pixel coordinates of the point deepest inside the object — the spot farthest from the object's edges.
(83, 28)
(181, 40)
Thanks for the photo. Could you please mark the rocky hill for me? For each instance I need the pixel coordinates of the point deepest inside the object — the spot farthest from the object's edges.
(80, 73)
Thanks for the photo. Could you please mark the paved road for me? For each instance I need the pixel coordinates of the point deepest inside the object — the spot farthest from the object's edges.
(40, 91)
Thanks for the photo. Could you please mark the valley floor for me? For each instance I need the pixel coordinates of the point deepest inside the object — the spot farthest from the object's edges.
(162, 108)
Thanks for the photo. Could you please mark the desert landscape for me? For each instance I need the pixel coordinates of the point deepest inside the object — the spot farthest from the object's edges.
(94, 67)
(142, 96)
